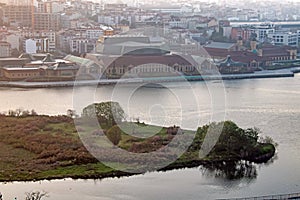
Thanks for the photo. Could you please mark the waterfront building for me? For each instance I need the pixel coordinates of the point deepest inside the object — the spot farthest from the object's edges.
(229, 66)
(217, 49)
(254, 57)
(18, 73)
(149, 62)
(40, 66)
(13, 62)
(271, 53)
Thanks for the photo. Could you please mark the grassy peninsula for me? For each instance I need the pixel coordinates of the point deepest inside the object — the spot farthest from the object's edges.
(36, 147)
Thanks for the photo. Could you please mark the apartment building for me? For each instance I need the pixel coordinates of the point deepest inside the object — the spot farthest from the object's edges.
(46, 21)
(36, 45)
(50, 35)
(18, 15)
(82, 45)
(284, 38)
(46, 16)
(5, 49)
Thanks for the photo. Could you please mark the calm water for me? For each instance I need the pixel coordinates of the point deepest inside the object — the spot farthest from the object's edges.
(273, 105)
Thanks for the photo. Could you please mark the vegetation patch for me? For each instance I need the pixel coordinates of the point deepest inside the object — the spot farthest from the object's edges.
(35, 147)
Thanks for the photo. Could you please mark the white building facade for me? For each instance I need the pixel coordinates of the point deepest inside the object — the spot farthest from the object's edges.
(263, 32)
(284, 38)
(46, 35)
(82, 45)
(36, 45)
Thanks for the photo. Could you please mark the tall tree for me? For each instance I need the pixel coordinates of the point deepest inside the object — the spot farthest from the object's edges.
(109, 112)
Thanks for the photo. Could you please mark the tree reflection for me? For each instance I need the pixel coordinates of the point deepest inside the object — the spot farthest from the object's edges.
(230, 170)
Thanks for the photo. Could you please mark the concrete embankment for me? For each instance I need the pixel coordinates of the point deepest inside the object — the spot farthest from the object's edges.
(261, 74)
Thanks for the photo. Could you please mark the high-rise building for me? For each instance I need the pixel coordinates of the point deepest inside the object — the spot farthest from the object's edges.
(46, 16)
(46, 21)
(19, 15)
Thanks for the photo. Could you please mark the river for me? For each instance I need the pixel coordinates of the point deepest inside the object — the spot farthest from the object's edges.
(272, 105)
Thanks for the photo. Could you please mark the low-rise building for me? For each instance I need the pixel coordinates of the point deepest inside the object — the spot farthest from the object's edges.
(82, 45)
(41, 66)
(148, 62)
(218, 48)
(5, 49)
(235, 32)
(254, 57)
(19, 73)
(272, 53)
(229, 66)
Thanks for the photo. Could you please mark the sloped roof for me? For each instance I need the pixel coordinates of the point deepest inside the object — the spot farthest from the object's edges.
(48, 58)
(228, 62)
(62, 66)
(239, 56)
(272, 50)
(126, 47)
(220, 45)
(83, 61)
(27, 56)
(129, 38)
(133, 60)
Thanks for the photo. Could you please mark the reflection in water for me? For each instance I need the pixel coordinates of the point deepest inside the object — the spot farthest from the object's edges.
(272, 160)
(230, 170)
(249, 103)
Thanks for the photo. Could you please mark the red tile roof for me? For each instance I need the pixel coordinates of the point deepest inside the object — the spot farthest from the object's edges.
(273, 51)
(238, 56)
(135, 60)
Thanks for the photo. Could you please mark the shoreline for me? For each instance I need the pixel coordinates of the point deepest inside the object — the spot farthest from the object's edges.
(120, 174)
(282, 73)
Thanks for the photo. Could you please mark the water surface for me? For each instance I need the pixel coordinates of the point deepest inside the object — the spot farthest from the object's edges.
(273, 105)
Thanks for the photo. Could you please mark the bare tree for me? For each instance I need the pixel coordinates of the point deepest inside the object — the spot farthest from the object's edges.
(35, 195)
(71, 113)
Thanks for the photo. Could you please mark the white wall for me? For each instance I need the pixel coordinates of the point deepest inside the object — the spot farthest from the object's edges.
(14, 41)
(30, 46)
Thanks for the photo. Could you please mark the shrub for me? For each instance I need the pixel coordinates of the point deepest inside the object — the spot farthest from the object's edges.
(114, 135)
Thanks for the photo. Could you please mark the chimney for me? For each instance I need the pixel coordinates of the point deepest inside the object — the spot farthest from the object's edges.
(240, 41)
(253, 44)
(293, 54)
